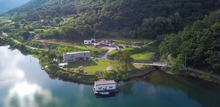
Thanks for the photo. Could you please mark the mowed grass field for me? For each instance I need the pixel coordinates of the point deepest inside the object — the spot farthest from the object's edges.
(94, 65)
(144, 56)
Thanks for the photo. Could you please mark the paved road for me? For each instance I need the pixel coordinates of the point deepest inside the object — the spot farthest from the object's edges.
(5, 34)
(109, 50)
(154, 64)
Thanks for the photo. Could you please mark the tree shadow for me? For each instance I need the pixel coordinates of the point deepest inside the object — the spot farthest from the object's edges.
(81, 63)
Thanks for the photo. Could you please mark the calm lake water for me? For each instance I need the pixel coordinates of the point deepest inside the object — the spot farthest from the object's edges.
(24, 84)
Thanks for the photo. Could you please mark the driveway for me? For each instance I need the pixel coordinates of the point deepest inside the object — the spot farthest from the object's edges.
(109, 50)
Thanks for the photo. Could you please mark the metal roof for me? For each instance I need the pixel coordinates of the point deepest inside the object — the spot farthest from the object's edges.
(78, 52)
(105, 82)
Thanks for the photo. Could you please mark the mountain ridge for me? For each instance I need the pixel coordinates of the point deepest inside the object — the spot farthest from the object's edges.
(6, 5)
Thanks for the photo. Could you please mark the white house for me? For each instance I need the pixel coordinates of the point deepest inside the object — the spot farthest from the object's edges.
(135, 46)
(77, 56)
(63, 64)
(87, 42)
(105, 87)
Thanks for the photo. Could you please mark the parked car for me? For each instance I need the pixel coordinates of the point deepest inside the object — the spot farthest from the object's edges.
(120, 46)
(127, 46)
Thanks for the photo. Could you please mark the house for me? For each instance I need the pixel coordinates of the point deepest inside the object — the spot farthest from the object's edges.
(91, 41)
(62, 64)
(135, 46)
(104, 87)
(97, 44)
(108, 42)
(76, 56)
(34, 22)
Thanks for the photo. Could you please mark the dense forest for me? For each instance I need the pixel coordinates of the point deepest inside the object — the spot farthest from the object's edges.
(199, 43)
(119, 18)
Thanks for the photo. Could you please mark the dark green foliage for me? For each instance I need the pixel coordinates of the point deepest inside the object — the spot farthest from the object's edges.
(199, 43)
(125, 59)
(6, 28)
(127, 18)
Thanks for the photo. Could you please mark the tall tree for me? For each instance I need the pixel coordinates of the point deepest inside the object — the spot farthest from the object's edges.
(125, 59)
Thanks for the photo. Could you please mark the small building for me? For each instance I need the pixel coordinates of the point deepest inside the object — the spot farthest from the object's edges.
(108, 42)
(109, 68)
(97, 44)
(87, 42)
(135, 46)
(104, 87)
(62, 64)
(76, 56)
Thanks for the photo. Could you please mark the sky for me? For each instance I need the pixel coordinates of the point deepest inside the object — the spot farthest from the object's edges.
(6, 5)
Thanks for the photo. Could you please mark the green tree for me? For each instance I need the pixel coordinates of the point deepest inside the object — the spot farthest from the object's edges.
(57, 19)
(125, 59)
(48, 17)
(51, 56)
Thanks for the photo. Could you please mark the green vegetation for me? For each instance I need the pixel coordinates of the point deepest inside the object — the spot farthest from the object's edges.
(125, 60)
(139, 54)
(53, 70)
(199, 43)
(35, 43)
(97, 18)
(144, 56)
(93, 65)
(75, 48)
(129, 43)
(123, 75)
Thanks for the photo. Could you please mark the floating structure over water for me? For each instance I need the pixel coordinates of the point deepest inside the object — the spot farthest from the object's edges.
(103, 87)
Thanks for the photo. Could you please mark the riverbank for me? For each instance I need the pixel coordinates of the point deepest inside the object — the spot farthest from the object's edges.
(190, 73)
(56, 72)
(90, 79)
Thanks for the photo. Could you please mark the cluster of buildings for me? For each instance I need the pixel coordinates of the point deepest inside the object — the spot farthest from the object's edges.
(101, 43)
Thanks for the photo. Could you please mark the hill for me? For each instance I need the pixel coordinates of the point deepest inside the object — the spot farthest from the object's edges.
(120, 18)
(199, 43)
(6, 5)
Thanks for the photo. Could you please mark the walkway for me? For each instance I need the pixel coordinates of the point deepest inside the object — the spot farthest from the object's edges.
(6, 35)
(159, 64)
(105, 55)
(202, 72)
(193, 69)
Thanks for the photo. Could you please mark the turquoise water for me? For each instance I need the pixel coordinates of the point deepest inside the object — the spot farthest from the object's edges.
(24, 84)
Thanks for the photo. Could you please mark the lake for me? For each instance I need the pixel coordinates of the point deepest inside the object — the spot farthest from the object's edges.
(24, 84)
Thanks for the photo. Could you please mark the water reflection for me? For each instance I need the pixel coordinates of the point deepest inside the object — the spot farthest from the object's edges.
(30, 95)
(194, 88)
(126, 88)
(9, 65)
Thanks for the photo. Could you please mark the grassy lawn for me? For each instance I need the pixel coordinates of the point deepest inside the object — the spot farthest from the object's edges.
(144, 53)
(94, 65)
(143, 56)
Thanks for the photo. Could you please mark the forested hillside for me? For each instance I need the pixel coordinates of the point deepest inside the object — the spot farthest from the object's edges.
(120, 18)
(199, 43)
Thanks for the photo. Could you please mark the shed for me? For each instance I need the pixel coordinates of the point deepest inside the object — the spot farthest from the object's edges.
(63, 64)
(109, 68)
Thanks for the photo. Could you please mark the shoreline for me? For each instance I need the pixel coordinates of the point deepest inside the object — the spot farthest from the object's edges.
(86, 82)
(195, 74)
